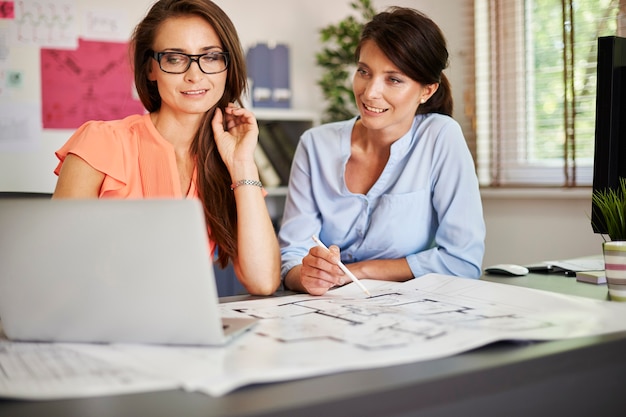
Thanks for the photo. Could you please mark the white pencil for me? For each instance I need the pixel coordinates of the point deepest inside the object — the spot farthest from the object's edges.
(344, 268)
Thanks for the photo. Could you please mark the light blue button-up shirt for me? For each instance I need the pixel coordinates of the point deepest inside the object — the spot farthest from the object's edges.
(424, 207)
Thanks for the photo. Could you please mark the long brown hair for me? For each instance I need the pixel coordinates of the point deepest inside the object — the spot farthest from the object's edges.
(416, 45)
(213, 176)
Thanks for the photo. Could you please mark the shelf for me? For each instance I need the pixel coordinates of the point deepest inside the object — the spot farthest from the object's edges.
(287, 115)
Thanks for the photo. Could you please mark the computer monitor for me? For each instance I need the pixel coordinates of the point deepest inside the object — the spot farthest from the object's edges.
(610, 135)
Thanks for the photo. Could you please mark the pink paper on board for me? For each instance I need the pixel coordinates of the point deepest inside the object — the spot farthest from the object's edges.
(7, 10)
(94, 82)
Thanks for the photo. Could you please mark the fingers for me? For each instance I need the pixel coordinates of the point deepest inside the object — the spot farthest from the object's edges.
(233, 115)
(240, 123)
(218, 123)
(240, 114)
(319, 270)
(334, 254)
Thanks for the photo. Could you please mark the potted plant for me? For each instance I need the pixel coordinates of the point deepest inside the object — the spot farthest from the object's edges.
(337, 61)
(611, 206)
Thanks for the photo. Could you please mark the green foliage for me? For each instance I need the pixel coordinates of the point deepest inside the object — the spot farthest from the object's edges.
(337, 61)
(611, 205)
(591, 19)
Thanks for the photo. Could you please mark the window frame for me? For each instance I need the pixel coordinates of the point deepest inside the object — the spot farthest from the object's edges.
(504, 104)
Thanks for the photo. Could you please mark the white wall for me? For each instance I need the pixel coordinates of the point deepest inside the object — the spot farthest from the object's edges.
(529, 226)
(295, 22)
(520, 229)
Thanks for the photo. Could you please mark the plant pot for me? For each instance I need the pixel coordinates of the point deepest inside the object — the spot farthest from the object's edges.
(615, 269)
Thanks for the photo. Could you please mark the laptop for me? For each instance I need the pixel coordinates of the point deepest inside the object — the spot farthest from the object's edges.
(109, 271)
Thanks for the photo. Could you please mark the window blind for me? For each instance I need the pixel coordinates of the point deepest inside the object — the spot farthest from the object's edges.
(535, 88)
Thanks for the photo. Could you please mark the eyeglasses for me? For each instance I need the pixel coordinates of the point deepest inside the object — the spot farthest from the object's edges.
(178, 63)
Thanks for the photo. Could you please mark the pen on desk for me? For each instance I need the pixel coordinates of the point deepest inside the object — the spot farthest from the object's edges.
(344, 268)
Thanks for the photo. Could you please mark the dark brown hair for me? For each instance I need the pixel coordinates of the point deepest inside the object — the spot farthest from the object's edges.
(416, 45)
(213, 177)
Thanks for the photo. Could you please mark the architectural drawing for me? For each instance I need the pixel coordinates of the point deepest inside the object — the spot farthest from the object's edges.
(52, 371)
(300, 336)
(385, 320)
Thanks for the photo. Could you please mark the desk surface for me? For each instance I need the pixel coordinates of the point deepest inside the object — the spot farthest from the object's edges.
(577, 377)
(555, 282)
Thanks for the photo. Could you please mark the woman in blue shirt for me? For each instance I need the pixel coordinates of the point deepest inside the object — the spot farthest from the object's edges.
(393, 191)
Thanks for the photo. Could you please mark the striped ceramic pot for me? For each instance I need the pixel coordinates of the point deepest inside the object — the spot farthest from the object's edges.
(615, 269)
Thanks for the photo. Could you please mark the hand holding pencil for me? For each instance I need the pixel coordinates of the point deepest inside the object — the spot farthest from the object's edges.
(344, 268)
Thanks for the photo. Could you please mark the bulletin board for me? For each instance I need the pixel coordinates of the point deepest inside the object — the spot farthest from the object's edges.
(61, 64)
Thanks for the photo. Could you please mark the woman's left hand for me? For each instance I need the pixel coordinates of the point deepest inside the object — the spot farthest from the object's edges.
(236, 134)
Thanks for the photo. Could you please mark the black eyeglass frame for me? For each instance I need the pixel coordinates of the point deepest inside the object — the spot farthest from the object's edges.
(192, 58)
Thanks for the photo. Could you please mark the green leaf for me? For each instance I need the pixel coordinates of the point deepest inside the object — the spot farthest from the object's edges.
(336, 60)
(611, 205)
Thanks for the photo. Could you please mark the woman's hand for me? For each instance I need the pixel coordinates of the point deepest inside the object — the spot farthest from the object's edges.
(258, 258)
(236, 134)
(319, 271)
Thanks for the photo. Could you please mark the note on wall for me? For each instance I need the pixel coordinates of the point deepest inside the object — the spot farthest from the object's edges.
(7, 9)
(20, 126)
(4, 54)
(48, 23)
(94, 82)
(105, 25)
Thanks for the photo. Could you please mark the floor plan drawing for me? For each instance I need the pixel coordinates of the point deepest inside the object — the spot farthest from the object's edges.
(386, 320)
(300, 335)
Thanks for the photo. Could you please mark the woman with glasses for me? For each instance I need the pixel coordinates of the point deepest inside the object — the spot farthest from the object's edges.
(193, 142)
(393, 192)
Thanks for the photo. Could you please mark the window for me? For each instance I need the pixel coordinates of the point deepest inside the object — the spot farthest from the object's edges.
(535, 88)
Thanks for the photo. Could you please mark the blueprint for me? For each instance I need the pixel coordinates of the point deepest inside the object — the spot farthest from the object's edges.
(301, 336)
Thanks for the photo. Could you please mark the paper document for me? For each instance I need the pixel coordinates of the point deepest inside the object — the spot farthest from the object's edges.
(430, 317)
(594, 263)
(53, 371)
